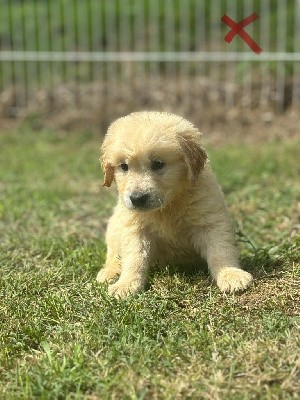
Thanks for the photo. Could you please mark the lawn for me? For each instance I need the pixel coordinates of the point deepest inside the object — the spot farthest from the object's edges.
(62, 337)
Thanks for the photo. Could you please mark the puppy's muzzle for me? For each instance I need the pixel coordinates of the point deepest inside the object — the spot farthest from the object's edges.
(139, 199)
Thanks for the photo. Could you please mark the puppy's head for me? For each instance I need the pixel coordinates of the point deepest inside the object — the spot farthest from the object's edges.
(153, 157)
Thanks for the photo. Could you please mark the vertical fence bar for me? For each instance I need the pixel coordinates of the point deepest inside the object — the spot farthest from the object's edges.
(211, 68)
(25, 94)
(139, 45)
(73, 32)
(62, 70)
(124, 33)
(169, 45)
(90, 39)
(110, 38)
(93, 36)
(215, 26)
(23, 67)
(49, 44)
(230, 69)
(77, 45)
(184, 23)
(67, 32)
(296, 64)
(154, 41)
(68, 43)
(37, 44)
(42, 43)
(18, 80)
(213, 36)
(265, 44)
(78, 41)
(84, 67)
(7, 67)
(14, 69)
(125, 26)
(247, 73)
(200, 35)
(99, 47)
(280, 45)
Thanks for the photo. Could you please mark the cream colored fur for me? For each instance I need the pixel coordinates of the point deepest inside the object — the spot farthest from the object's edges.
(184, 218)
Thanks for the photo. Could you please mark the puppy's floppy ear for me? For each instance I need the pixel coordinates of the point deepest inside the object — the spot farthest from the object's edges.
(107, 166)
(109, 174)
(194, 154)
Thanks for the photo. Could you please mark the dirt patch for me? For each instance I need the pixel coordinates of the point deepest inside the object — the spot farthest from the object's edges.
(93, 106)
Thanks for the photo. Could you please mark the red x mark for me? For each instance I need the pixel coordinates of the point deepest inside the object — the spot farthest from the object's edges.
(237, 28)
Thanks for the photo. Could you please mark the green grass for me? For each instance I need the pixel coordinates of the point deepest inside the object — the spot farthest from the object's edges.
(62, 337)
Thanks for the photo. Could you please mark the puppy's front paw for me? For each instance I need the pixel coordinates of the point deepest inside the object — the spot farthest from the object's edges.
(106, 274)
(124, 289)
(233, 279)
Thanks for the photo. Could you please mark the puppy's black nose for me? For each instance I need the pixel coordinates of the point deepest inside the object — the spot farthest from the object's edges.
(139, 199)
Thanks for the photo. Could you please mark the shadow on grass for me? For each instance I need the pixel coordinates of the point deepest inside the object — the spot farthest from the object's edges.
(260, 264)
(190, 273)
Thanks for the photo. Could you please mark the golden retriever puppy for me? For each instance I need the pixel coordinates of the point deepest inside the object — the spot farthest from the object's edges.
(170, 207)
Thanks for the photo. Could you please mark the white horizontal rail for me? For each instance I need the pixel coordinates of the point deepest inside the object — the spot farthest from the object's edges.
(141, 56)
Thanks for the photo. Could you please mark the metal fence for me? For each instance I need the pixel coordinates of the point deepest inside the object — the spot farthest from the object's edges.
(152, 51)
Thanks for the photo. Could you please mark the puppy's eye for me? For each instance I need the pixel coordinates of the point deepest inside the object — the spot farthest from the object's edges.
(156, 165)
(124, 167)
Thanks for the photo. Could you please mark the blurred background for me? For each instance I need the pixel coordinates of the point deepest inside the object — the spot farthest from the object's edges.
(78, 64)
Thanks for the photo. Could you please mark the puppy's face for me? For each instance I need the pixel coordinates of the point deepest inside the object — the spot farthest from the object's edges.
(151, 159)
(149, 179)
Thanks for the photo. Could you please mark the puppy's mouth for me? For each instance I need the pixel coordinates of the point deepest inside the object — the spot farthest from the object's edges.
(142, 201)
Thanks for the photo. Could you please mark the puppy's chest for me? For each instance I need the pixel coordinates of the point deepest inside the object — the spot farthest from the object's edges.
(171, 245)
(172, 233)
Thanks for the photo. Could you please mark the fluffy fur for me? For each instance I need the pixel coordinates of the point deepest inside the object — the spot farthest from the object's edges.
(170, 206)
